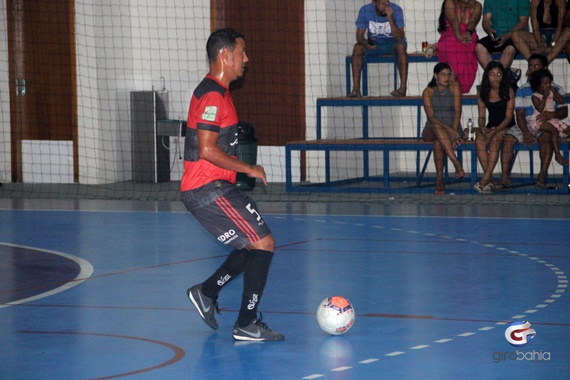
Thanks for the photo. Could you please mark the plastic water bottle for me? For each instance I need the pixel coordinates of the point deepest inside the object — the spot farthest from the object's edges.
(470, 134)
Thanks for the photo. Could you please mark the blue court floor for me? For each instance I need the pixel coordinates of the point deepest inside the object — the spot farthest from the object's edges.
(98, 291)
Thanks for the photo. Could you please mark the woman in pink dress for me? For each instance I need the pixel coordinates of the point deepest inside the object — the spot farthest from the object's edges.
(456, 46)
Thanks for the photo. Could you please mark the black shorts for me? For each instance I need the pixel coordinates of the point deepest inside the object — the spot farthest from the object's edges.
(492, 47)
(226, 213)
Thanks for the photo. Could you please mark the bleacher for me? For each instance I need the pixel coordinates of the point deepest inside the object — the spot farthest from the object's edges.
(393, 182)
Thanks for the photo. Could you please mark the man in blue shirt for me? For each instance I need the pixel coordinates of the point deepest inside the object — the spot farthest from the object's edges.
(383, 24)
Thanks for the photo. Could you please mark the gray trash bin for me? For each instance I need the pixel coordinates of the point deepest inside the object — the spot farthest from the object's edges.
(246, 152)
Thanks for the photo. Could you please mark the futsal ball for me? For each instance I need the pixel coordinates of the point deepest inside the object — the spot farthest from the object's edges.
(335, 315)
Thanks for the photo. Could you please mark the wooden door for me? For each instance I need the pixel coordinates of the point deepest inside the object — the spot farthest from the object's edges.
(272, 93)
(41, 43)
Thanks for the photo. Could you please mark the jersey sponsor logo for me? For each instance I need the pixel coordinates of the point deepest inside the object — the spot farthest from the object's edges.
(210, 113)
(227, 236)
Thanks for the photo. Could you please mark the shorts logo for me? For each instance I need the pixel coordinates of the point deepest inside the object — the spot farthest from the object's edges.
(519, 333)
(210, 113)
(227, 236)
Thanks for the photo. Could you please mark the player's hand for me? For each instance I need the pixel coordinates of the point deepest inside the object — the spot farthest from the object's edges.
(257, 171)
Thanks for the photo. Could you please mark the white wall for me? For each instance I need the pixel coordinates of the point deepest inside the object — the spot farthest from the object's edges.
(124, 46)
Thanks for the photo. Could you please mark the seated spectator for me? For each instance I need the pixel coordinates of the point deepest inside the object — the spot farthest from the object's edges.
(545, 99)
(520, 133)
(456, 46)
(442, 105)
(384, 25)
(498, 98)
(546, 19)
(563, 43)
(501, 18)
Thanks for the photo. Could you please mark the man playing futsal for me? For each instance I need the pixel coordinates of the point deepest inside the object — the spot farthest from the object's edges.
(210, 194)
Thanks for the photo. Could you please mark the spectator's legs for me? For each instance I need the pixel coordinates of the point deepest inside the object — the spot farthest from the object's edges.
(482, 154)
(483, 55)
(439, 161)
(507, 56)
(546, 153)
(357, 58)
(403, 63)
(526, 43)
(561, 43)
(489, 159)
(492, 158)
(446, 146)
(507, 154)
(554, 142)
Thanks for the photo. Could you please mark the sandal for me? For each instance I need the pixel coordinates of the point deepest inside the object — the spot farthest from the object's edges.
(459, 174)
(489, 188)
(355, 94)
(542, 185)
(478, 187)
(504, 186)
(398, 94)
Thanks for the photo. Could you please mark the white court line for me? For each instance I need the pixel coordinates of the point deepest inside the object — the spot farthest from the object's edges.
(86, 270)
(340, 369)
(395, 353)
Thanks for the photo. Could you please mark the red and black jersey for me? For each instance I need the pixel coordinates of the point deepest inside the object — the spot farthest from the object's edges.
(211, 109)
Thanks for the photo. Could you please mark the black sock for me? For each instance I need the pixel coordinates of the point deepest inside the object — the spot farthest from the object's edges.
(232, 267)
(254, 279)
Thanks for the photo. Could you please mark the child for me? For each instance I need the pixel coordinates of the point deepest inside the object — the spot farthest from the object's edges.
(544, 99)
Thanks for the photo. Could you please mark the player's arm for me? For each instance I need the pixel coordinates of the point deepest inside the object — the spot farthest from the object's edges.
(209, 150)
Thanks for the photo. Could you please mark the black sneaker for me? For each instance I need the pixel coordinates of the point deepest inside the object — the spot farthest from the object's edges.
(207, 307)
(256, 331)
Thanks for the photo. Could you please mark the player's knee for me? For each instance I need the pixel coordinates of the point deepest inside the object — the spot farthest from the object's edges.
(266, 244)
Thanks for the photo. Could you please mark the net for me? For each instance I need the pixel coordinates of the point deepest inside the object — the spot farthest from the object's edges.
(118, 132)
